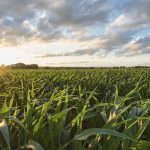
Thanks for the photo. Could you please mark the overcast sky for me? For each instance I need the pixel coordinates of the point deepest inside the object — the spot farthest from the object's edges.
(75, 32)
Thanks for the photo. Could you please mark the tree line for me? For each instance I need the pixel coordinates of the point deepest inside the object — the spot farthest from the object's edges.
(22, 65)
(35, 66)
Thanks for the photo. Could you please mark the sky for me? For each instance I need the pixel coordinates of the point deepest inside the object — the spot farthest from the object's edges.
(75, 32)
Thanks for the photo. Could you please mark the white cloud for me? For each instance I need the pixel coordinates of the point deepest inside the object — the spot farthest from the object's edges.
(124, 27)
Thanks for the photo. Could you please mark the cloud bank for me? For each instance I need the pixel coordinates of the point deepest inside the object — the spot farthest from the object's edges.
(119, 28)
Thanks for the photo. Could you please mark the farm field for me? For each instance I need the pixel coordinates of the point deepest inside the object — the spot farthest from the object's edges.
(75, 109)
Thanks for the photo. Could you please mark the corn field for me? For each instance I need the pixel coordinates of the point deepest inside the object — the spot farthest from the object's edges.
(75, 109)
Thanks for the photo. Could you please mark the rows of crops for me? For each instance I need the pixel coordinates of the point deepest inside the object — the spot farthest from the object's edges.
(76, 109)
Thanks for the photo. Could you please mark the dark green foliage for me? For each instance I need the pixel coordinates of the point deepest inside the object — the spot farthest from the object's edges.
(75, 109)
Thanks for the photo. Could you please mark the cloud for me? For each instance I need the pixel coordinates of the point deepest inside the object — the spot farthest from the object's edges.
(114, 40)
(138, 47)
(24, 21)
(133, 15)
(79, 12)
(68, 63)
(138, 9)
(128, 33)
(120, 23)
(79, 52)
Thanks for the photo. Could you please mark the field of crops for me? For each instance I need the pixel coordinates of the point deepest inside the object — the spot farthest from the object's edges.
(75, 109)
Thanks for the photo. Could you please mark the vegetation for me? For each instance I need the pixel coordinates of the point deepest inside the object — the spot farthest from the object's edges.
(75, 109)
(22, 65)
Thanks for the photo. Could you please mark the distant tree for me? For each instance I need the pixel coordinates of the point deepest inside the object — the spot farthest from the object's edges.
(22, 65)
(32, 66)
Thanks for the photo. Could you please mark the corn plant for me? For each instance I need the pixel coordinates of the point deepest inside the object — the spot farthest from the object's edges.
(75, 109)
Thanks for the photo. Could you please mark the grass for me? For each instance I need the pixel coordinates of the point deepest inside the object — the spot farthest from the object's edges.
(75, 109)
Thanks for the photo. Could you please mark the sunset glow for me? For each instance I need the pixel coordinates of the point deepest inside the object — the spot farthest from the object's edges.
(75, 33)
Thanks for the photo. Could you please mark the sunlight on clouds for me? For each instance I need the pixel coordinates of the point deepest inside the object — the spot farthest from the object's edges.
(27, 52)
(61, 32)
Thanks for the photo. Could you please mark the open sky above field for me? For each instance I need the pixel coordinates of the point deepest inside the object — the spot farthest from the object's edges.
(75, 32)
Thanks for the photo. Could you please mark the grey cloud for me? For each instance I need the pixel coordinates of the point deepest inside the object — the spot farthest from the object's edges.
(137, 13)
(143, 45)
(80, 52)
(73, 62)
(80, 12)
(47, 20)
(120, 34)
(117, 43)
(132, 19)
(113, 40)
(138, 9)
(58, 14)
(137, 47)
